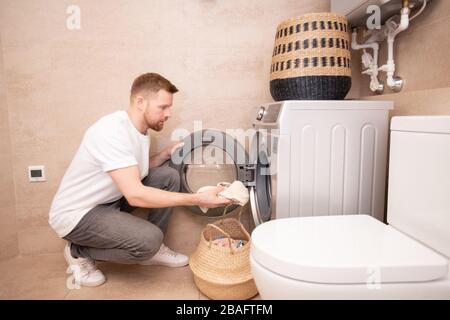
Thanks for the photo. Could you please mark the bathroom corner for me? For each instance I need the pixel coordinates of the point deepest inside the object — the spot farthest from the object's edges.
(9, 244)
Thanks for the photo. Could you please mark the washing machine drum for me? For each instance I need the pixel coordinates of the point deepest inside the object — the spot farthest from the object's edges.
(207, 158)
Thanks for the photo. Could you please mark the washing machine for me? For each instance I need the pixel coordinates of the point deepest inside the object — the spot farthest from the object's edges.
(209, 157)
(304, 158)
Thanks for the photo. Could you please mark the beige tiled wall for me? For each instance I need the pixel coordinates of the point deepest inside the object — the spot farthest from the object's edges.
(421, 59)
(60, 81)
(8, 226)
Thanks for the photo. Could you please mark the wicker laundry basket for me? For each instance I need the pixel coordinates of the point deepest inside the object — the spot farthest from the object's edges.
(311, 58)
(223, 273)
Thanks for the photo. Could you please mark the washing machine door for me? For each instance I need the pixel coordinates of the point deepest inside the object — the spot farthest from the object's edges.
(262, 197)
(207, 158)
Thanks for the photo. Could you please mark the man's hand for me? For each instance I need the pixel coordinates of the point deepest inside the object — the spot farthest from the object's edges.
(168, 151)
(175, 146)
(128, 182)
(210, 198)
(165, 154)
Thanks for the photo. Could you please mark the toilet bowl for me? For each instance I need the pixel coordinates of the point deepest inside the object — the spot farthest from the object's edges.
(344, 257)
(359, 257)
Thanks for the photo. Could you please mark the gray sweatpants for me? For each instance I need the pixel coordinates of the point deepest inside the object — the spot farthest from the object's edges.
(109, 232)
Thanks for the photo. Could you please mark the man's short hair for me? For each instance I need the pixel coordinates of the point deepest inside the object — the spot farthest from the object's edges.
(152, 82)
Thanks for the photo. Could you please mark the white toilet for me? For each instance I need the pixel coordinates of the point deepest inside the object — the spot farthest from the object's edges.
(359, 257)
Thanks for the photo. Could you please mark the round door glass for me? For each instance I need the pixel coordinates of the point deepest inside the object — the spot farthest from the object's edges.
(207, 166)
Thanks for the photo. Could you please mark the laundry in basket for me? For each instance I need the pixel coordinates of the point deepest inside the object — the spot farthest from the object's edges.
(223, 272)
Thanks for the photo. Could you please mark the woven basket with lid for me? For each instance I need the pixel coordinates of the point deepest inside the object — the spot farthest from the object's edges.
(311, 58)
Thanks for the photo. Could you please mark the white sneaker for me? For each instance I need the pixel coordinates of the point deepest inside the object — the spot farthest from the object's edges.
(84, 271)
(166, 257)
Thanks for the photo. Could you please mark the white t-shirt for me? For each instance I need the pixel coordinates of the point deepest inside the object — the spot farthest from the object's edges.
(112, 142)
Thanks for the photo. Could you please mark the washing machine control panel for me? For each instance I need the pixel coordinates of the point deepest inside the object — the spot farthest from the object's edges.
(261, 113)
(269, 114)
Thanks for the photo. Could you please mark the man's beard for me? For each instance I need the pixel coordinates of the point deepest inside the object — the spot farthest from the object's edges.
(157, 126)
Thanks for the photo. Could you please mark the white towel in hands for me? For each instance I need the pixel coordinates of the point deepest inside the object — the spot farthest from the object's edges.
(235, 191)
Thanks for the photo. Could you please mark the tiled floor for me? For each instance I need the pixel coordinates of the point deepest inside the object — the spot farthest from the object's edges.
(44, 277)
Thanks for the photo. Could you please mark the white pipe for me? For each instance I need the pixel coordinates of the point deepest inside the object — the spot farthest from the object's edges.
(372, 68)
(404, 21)
(390, 30)
(373, 45)
(389, 67)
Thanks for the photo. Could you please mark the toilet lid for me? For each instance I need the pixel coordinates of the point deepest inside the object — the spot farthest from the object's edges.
(343, 249)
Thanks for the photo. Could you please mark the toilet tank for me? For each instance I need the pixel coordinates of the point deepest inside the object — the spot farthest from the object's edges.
(419, 179)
